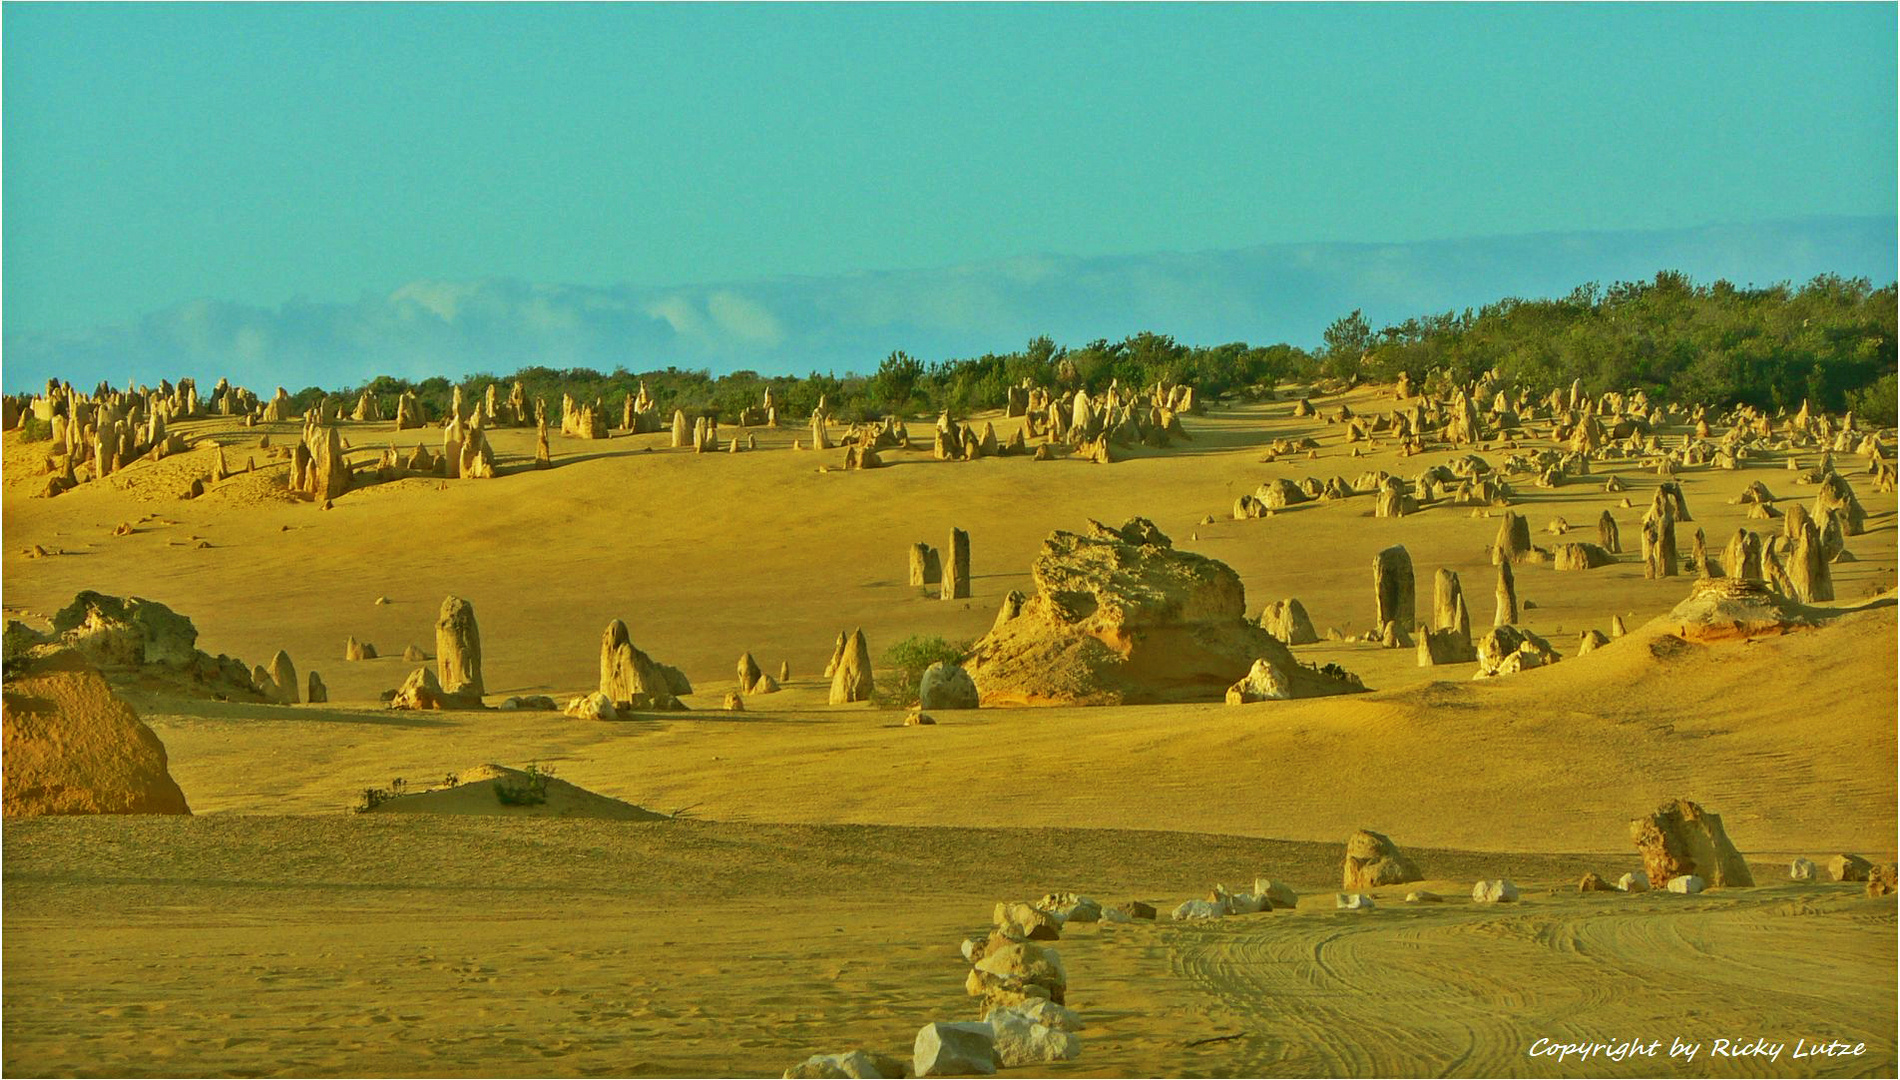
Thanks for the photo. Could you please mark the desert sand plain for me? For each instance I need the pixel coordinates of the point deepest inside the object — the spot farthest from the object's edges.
(811, 896)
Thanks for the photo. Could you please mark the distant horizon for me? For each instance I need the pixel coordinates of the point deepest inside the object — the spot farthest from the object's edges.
(1262, 294)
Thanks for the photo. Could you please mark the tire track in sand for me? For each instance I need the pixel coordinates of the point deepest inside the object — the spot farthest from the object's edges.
(1459, 989)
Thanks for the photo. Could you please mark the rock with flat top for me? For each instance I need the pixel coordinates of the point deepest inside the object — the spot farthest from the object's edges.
(955, 1050)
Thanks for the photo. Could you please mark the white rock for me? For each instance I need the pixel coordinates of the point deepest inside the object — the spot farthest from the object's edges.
(1353, 902)
(1801, 870)
(1635, 881)
(856, 1065)
(1021, 1041)
(1685, 883)
(594, 706)
(954, 1050)
(1200, 909)
(1497, 891)
(1045, 1012)
(1116, 915)
(969, 948)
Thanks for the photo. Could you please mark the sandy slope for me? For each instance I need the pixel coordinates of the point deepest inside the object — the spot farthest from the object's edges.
(1559, 758)
(838, 856)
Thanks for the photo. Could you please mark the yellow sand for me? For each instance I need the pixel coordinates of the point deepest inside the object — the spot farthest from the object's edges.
(811, 897)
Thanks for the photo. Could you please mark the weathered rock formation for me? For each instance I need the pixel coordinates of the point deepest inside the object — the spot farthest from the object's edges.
(1608, 535)
(852, 681)
(1394, 597)
(1120, 616)
(1582, 556)
(1807, 566)
(1506, 596)
(458, 652)
(925, 567)
(1734, 609)
(956, 569)
(634, 681)
(1514, 539)
(1659, 543)
(283, 679)
(134, 640)
(69, 745)
(1681, 838)
(1288, 621)
(1372, 860)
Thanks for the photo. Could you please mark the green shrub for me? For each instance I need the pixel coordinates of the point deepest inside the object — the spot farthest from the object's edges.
(33, 429)
(530, 790)
(904, 665)
(1876, 404)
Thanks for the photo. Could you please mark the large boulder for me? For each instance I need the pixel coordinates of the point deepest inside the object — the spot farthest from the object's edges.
(1507, 650)
(946, 686)
(1288, 621)
(1022, 1040)
(1681, 838)
(954, 1050)
(421, 690)
(1580, 556)
(1014, 971)
(1848, 868)
(1263, 682)
(1372, 859)
(71, 746)
(1121, 617)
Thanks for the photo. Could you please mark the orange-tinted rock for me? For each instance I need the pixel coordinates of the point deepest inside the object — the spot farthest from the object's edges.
(73, 747)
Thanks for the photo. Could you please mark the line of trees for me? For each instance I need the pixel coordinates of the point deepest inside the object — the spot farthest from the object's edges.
(1831, 342)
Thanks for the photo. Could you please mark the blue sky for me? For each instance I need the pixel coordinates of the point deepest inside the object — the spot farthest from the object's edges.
(256, 155)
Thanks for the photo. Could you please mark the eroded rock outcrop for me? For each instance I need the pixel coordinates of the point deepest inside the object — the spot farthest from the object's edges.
(1682, 839)
(851, 679)
(458, 651)
(71, 746)
(1119, 616)
(1372, 860)
(633, 681)
(1288, 621)
(132, 640)
(1732, 609)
